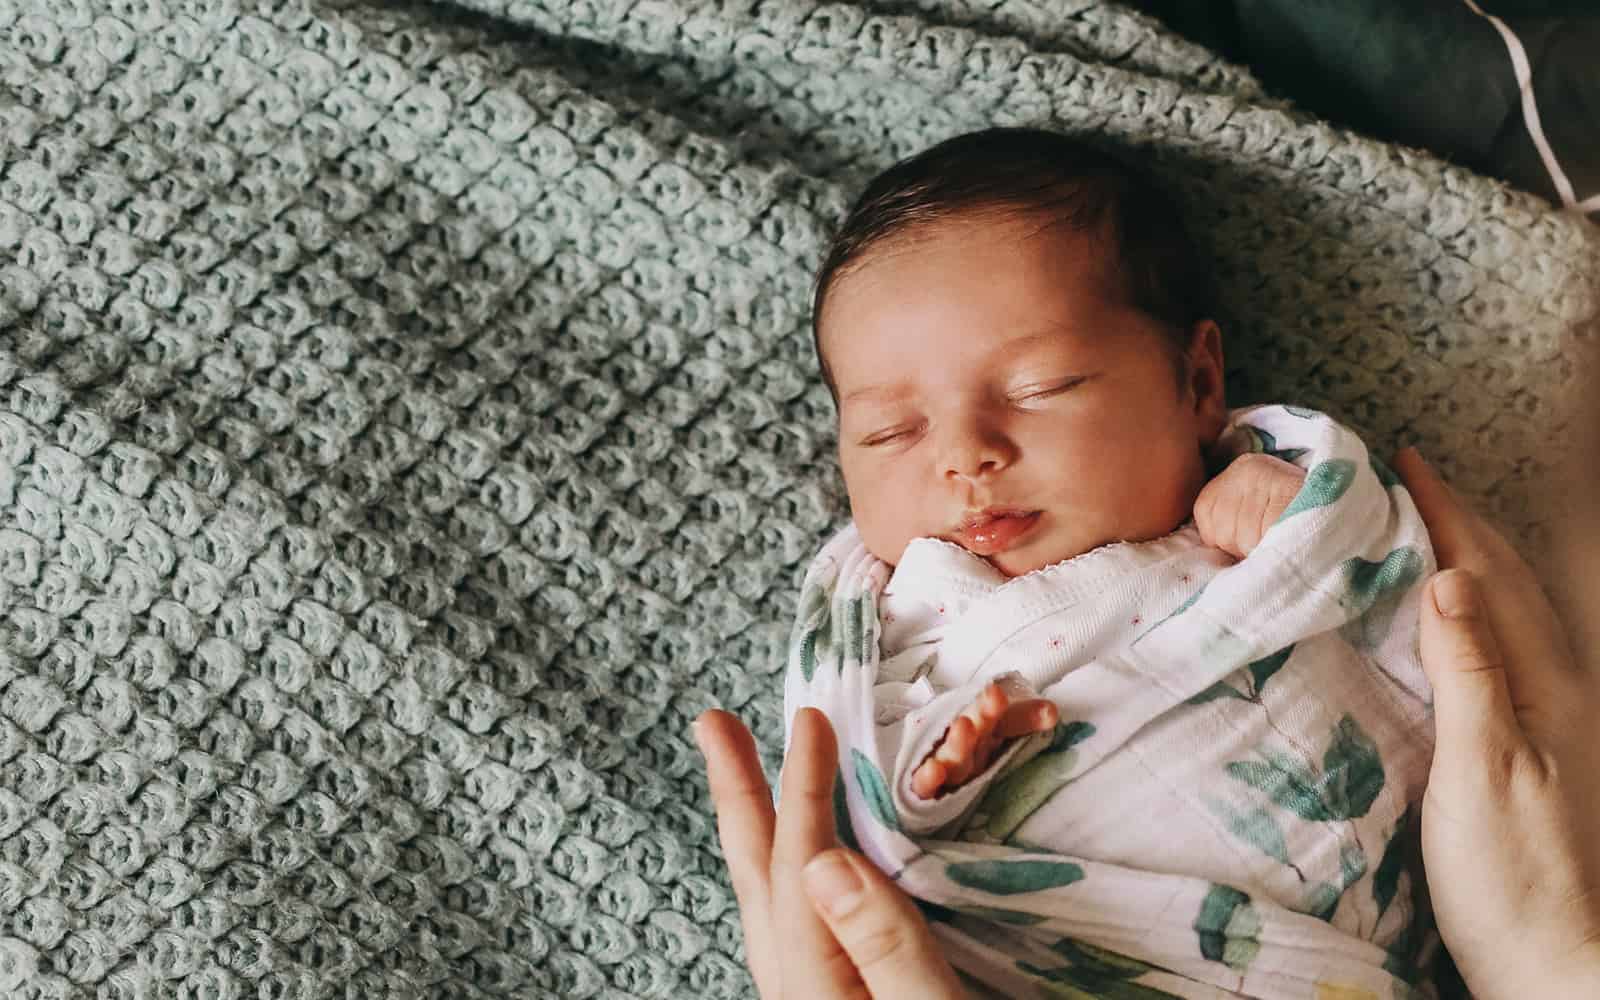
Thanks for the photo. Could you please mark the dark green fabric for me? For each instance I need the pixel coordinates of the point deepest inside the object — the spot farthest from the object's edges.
(1428, 73)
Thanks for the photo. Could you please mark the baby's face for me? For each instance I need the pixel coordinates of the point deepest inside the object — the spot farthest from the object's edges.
(992, 367)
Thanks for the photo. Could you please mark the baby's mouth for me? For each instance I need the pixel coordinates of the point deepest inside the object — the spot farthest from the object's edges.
(995, 529)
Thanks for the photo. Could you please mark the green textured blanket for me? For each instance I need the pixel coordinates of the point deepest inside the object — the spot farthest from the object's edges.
(408, 424)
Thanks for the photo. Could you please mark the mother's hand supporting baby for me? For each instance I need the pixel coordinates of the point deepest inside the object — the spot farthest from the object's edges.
(1511, 818)
(1510, 824)
(869, 940)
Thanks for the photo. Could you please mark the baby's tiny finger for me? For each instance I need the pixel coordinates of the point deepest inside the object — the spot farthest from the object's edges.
(957, 773)
(992, 703)
(928, 778)
(1045, 717)
(958, 741)
(1032, 716)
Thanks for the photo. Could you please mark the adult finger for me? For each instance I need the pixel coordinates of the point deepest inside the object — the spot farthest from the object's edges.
(812, 963)
(1541, 669)
(880, 929)
(1460, 537)
(1473, 713)
(745, 821)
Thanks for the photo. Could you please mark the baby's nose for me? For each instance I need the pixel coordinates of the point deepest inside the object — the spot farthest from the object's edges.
(977, 453)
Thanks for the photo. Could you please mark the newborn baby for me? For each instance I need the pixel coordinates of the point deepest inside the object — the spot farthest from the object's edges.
(1125, 681)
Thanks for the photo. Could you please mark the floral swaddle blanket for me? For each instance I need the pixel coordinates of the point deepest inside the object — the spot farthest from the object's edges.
(1228, 803)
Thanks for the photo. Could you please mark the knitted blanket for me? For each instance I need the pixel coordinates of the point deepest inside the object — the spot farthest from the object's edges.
(408, 424)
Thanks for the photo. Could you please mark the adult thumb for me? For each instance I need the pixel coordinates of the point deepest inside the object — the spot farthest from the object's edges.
(878, 927)
(1473, 714)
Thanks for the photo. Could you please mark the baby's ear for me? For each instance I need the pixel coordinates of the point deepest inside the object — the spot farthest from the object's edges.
(1204, 380)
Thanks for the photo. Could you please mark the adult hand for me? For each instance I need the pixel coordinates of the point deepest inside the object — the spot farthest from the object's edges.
(820, 922)
(1510, 821)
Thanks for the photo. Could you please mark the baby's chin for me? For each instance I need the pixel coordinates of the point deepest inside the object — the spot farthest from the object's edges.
(1016, 562)
(1044, 552)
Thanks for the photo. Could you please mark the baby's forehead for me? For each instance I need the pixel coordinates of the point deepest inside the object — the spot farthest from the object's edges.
(971, 239)
(1055, 270)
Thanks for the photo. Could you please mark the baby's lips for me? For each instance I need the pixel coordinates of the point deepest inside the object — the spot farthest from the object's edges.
(979, 518)
(990, 536)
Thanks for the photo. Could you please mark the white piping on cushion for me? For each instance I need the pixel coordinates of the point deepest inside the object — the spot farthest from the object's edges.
(1530, 115)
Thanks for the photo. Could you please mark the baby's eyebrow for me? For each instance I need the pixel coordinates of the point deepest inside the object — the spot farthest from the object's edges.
(894, 390)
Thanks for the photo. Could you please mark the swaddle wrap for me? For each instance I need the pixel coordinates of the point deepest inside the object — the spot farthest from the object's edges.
(1226, 804)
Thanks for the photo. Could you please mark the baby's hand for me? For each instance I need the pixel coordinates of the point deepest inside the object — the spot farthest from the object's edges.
(1236, 508)
(973, 739)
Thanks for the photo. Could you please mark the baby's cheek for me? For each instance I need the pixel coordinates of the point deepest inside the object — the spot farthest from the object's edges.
(885, 539)
(884, 529)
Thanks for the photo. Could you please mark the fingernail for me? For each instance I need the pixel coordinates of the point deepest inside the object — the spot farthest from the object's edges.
(695, 734)
(832, 883)
(1454, 594)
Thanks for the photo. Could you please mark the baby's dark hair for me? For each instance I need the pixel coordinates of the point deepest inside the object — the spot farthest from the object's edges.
(1029, 171)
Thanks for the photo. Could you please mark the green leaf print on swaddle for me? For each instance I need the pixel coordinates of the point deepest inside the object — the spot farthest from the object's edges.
(846, 636)
(874, 790)
(1007, 878)
(1014, 797)
(1372, 582)
(1321, 901)
(1256, 828)
(1374, 594)
(1262, 441)
(857, 613)
(1352, 771)
(808, 654)
(1286, 781)
(1352, 864)
(1352, 776)
(1324, 484)
(1228, 927)
(1260, 672)
(814, 626)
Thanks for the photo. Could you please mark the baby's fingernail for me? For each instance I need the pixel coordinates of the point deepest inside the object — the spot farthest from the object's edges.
(1454, 594)
(697, 736)
(833, 883)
